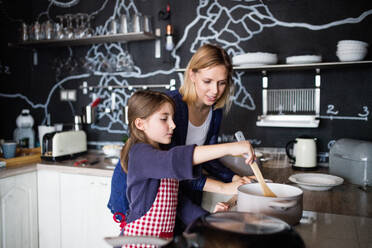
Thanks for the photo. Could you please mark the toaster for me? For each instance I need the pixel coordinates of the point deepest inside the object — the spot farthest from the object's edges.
(352, 160)
(57, 146)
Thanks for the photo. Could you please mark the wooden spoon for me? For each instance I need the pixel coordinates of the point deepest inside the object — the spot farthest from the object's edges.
(266, 190)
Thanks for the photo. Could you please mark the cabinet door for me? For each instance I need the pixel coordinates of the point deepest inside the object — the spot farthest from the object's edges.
(49, 201)
(85, 219)
(18, 211)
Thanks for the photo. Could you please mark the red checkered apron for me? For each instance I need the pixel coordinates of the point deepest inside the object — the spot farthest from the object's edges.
(159, 220)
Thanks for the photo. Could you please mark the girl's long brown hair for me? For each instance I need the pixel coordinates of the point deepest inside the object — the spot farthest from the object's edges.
(141, 104)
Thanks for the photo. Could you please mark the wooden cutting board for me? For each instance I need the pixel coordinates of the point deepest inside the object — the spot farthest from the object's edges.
(24, 156)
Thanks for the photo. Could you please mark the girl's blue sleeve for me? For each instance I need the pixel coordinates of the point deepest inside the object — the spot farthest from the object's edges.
(118, 201)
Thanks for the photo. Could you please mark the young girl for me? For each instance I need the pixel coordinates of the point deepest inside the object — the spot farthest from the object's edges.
(153, 174)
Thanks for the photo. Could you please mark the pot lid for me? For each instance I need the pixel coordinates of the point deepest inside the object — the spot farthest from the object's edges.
(246, 223)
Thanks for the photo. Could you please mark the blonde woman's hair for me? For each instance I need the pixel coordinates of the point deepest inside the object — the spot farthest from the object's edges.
(208, 56)
(141, 104)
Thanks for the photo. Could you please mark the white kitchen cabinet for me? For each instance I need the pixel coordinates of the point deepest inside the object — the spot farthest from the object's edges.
(73, 210)
(18, 211)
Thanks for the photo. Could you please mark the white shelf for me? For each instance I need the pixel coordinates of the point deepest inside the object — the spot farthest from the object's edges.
(293, 121)
(278, 67)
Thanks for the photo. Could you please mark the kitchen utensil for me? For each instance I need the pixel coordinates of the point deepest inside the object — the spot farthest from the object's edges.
(352, 160)
(8, 149)
(304, 153)
(59, 146)
(316, 181)
(95, 102)
(287, 205)
(82, 162)
(267, 191)
(132, 240)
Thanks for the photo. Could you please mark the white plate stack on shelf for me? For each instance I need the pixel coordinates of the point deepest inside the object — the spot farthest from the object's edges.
(351, 50)
(304, 59)
(254, 59)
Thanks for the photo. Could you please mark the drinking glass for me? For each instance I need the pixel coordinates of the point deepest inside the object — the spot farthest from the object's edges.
(68, 30)
(59, 28)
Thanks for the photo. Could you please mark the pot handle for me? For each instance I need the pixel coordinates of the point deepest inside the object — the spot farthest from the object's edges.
(289, 144)
(283, 205)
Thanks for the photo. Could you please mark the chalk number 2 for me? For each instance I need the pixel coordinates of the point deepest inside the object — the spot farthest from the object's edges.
(331, 110)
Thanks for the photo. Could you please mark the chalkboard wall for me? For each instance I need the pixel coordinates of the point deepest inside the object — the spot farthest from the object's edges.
(32, 77)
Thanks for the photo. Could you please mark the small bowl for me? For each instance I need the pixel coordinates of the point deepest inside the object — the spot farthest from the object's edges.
(350, 56)
(112, 150)
(352, 43)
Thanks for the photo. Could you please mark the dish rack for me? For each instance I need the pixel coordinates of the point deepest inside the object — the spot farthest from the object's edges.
(296, 108)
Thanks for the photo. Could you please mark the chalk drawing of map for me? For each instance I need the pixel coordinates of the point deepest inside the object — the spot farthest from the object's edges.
(214, 22)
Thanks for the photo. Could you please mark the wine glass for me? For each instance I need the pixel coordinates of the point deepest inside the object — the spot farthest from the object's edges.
(68, 30)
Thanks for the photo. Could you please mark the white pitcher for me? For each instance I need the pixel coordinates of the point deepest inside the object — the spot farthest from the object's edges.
(304, 153)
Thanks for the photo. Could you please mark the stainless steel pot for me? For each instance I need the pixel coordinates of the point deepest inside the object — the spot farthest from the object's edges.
(286, 206)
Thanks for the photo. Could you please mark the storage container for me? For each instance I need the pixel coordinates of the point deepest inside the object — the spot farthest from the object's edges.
(352, 160)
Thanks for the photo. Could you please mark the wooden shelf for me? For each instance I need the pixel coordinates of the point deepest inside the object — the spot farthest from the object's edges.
(281, 67)
(88, 41)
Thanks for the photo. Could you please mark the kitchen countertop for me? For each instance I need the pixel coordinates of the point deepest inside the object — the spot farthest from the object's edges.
(345, 199)
(322, 230)
(104, 166)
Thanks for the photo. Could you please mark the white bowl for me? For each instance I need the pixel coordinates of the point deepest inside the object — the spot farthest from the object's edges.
(342, 56)
(112, 150)
(352, 43)
(354, 49)
(256, 58)
(316, 181)
(303, 59)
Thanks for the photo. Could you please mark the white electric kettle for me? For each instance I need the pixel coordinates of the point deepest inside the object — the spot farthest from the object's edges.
(304, 153)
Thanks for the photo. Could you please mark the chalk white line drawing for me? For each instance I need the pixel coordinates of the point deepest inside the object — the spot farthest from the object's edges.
(208, 15)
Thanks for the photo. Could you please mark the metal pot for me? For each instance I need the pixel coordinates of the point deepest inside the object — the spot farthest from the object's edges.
(286, 206)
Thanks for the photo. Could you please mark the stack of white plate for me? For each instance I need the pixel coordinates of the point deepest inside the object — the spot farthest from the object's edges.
(351, 50)
(255, 59)
(303, 59)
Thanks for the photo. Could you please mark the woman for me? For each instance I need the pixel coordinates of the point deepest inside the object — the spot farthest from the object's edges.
(199, 102)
